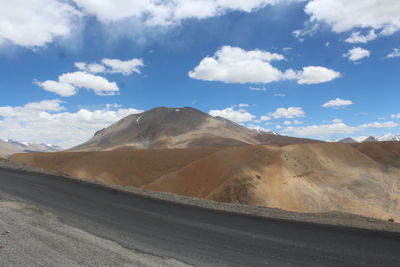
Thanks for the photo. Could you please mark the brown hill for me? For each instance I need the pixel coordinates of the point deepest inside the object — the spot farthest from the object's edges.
(304, 178)
(316, 177)
(383, 152)
(123, 167)
(178, 128)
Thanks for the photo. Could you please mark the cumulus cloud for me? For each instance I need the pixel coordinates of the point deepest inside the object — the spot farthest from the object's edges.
(68, 84)
(343, 16)
(59, 88)
(91, 67)
(236, 65)
(126, 67)
(48, 121)
(336, 103)
(395, 53)
(112, 65)
(288, 113)
(316, 74)
(36, 23)
(358, 37)
(335, 128)
(357, 53)
(99, 85)
(235, 115)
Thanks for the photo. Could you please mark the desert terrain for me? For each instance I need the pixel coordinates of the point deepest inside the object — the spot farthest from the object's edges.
(186, 152)
(311, 178)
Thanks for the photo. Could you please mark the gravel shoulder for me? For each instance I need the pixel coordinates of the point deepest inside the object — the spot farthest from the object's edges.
(329, 218)
(32, 237)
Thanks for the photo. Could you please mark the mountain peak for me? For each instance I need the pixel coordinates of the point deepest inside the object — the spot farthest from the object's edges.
(171, 127)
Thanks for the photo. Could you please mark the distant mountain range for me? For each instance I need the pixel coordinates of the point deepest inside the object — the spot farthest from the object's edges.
(9, 146)
(362, 139)
(186, 127)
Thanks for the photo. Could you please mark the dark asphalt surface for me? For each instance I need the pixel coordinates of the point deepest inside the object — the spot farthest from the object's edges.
(198, 236)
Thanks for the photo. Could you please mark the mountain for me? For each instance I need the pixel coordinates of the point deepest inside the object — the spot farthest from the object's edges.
(369, 139)
(186, 127)
(382, 138)
(388, 137)
(8, 147)
(347, 140)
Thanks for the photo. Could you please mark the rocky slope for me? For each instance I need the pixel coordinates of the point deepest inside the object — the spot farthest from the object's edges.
(178, 128)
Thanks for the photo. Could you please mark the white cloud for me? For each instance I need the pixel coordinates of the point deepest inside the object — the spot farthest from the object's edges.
(395, 53)
(243, 105)
(316, 74)
(35, 23)
(395, 116)
(337, 120)
(257, 88)
(288, 113)
(321, 130)
(287, 122)
(112, 65)
(48, 122)
(281, 95)
(92, 67)
(265, 118)
(152, 12)
(68, 83)
(62, 89)
(335, 128)
(240, 115)
(297, 122)
(336, 103)
(357, 53)
(358, 37)
(344, 15)
(308, 30)
(99, 85)
(126, 67)
(236, 65)
(388, 124)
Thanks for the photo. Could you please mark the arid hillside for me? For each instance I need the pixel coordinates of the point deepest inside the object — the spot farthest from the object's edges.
(383, 152)
(316, 177)
(186, 127)
(123, 167)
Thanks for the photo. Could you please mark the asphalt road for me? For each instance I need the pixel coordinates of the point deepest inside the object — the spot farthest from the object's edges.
(198, 236)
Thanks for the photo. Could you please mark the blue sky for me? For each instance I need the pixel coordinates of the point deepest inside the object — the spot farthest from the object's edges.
(323, 69)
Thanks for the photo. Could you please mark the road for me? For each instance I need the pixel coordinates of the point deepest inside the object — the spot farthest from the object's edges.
(194, 235)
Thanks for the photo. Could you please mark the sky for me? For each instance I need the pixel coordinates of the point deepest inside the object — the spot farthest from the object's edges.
(323, 69)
